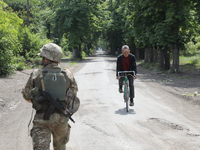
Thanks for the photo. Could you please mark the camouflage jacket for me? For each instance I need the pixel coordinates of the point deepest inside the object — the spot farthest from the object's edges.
(34, 80)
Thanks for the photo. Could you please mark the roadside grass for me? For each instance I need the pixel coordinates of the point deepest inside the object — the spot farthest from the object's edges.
(192, 94)
(151, 66)
(192, 63)
(187, 63)
(73, 63)
(20, 63)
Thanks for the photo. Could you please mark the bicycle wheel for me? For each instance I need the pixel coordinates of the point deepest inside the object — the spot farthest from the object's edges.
(126, 97)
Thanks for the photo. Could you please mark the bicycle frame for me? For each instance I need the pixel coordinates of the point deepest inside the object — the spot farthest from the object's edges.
(126, 86)
(126, 93)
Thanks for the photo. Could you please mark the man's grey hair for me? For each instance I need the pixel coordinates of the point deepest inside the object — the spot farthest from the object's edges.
(125, 47)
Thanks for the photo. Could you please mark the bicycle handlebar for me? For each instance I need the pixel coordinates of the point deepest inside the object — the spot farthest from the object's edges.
(126, 73)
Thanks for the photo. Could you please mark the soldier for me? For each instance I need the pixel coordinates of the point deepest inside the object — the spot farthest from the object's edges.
(62, 85)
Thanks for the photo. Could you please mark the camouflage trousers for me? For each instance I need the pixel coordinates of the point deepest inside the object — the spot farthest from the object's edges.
(42, 129)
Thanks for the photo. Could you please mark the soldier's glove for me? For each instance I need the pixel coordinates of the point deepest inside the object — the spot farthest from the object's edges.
(35, 94)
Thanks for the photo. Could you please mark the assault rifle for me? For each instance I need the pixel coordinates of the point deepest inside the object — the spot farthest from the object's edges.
(54, 104)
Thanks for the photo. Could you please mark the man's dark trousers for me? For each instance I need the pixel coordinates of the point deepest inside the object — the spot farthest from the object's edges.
(131, 85)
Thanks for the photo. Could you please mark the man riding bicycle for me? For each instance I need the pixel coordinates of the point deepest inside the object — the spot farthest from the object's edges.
(126, 62)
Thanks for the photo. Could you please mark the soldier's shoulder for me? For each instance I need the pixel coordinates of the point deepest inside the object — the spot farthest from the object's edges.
(69, 74)
(35, 73)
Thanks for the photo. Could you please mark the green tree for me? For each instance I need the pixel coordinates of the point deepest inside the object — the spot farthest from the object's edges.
(115, 25)
(76, 19)
(9, 44)
(162, 24)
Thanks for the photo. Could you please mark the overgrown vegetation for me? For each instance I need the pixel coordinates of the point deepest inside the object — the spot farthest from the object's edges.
(162, 33)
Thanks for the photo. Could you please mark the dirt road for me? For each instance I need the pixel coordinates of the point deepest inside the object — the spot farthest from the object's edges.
(159, 119)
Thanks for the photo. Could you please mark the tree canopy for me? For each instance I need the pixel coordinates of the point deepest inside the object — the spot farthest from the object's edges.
(154, 29)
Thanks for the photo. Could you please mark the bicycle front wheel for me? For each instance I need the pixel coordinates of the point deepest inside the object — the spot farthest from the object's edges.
(126, 97)
(127, 109)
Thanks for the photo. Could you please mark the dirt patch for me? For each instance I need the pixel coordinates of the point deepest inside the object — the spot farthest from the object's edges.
(185, 85)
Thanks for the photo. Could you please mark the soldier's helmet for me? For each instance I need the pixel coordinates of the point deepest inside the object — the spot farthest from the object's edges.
(52, 52)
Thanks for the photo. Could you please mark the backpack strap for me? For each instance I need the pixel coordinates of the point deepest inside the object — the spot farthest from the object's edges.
(42, 81)
(65, 74)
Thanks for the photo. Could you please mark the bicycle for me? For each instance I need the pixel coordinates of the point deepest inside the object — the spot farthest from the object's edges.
(125, 74)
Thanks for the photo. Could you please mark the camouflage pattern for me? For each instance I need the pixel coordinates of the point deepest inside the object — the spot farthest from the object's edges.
(34, 79)
(72, 101)
(58, 124)
(74, 86)
(52, 52)
(41, 132)
(35, 93)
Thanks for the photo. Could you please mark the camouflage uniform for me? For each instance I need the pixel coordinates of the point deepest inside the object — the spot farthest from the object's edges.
(57, 125)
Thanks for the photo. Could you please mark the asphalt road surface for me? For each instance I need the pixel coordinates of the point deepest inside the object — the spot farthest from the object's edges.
(159, 119)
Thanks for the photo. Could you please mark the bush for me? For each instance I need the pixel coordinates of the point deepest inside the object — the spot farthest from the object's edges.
(194, 60)
(64, 43)
(30, 42)
(9, 44)
(191, 48)
(20, 66)
(83, 55)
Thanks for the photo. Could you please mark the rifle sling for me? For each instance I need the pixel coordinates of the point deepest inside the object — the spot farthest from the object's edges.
(51, 108)
(42, 81)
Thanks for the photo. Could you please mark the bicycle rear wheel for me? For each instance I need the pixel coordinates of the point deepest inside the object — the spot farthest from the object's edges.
(127, 109)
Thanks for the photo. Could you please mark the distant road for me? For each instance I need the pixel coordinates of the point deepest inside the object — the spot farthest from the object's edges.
(158, 120)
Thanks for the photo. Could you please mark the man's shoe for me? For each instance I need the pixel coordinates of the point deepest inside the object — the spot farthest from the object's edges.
(120, 90)
(131, 104)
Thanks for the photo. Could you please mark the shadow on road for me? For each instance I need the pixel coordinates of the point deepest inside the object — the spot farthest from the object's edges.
(123, 111)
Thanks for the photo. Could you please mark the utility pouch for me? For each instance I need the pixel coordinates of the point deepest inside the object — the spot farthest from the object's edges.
(72, 101)
(35, 93)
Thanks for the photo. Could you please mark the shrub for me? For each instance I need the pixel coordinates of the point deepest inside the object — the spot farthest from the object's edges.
(20, 66)
(9, 44)
(30, 42)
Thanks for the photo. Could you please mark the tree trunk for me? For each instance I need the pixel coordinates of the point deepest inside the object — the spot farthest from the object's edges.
(151, 55)
(137, 53)
(77, 52)
(161, 59)
(28, 13)
(147, 55)
(89, 46)
(155, 55)
(48, 30)
(142, 53)
(167, 59)
(175, 59)
(176, 46)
